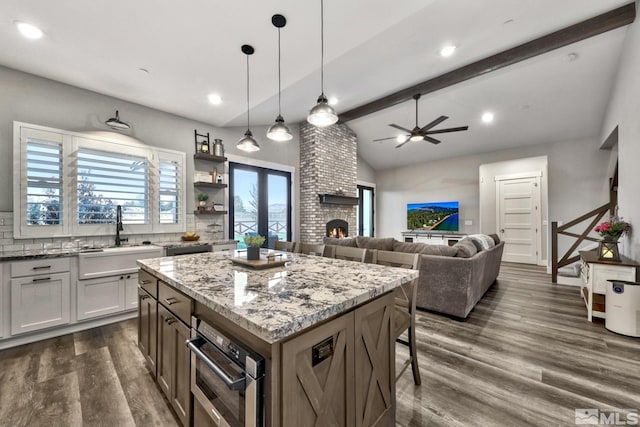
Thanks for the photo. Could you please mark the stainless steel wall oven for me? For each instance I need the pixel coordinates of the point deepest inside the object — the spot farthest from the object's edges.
(227, 379)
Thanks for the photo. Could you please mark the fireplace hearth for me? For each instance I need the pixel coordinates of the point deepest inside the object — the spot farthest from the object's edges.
(337, 228)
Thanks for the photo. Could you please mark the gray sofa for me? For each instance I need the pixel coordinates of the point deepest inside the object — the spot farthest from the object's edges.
(452, 279)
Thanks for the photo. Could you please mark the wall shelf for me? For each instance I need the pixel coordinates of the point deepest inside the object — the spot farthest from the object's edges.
(209, 157)
(210, 212)
(209, 185)
(337, 199)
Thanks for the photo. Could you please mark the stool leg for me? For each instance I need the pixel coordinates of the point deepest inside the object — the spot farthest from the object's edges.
(414, 355)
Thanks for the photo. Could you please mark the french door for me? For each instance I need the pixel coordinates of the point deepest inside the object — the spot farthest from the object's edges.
(365, 211)
(259, 203)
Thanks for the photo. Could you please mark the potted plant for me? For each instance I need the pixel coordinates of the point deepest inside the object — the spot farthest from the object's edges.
(253, 243)
(202, 198)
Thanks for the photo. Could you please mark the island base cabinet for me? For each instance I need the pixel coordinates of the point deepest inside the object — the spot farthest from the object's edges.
(174, 363)
(147, 328)
(342, 373)
(317, 376)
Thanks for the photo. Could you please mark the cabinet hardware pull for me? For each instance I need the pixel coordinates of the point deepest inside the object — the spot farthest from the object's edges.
(121, 277)
(42, 279)
(42, 267)
(128, 276)
(146, 282)
(170, 320)
(144, 297)
(170, 300)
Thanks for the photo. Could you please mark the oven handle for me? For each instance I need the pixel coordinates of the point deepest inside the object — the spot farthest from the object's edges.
(238, 384)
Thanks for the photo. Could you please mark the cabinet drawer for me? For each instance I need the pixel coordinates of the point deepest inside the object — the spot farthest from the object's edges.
(40, 266)
(175, 301)
(148, 283)
(602, 274)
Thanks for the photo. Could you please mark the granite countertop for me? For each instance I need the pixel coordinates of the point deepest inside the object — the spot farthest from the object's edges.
(275, 303)
(58, 252)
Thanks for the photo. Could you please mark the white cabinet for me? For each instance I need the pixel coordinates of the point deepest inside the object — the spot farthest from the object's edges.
(39, 302)
(595, 275)
(227, 247)
(107, 295)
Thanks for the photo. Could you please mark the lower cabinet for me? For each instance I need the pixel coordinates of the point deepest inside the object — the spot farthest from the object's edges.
(147, 328)
(342, 372)
(107, 295)
(39, 302)
(174, 363)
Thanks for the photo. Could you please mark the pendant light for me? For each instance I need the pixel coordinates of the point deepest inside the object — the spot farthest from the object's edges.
(279, 131)
(247, 143)
(322, 115)
(116, 124)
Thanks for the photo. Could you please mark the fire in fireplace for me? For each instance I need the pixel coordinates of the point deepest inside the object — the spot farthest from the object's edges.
(337, 228)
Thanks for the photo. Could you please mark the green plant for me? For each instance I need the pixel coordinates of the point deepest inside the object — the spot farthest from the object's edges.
(256, 240)
(203, 197)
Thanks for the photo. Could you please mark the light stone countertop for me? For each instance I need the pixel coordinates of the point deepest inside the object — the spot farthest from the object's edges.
(275, 303)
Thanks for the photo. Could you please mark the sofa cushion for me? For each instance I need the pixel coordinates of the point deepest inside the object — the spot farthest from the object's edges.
(495, 238)
(383, 244)
(442, 250)
(340, 242)
(482, 241)
(465, 248)
(407, 247)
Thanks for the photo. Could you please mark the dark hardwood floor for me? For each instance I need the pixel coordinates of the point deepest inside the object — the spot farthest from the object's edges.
(525, 356)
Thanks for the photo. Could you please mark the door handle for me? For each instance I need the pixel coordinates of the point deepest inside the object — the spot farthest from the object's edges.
(502, 230)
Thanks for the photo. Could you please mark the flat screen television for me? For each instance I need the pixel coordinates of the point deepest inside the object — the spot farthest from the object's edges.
(436, 216)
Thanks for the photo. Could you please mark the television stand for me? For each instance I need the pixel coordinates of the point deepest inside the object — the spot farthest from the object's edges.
(431, 237)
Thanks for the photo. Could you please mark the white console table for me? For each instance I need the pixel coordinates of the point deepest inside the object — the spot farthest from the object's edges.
(595, 273)
(431, 238)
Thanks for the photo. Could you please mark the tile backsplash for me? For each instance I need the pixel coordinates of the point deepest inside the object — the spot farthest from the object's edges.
(9, 244)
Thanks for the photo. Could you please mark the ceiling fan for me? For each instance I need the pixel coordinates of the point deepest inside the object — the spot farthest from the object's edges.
(422, 133)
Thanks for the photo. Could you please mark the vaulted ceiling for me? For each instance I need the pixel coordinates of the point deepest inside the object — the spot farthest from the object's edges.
(373, 48)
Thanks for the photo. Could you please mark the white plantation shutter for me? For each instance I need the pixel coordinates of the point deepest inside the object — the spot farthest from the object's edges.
(171, 194)
(44, 183)
(106, 179)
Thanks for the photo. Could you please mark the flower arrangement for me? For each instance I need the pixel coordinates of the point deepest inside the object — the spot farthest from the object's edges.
(255, 240)
(614, 228)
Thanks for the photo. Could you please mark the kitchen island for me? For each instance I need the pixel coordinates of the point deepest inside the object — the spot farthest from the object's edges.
(324, 327)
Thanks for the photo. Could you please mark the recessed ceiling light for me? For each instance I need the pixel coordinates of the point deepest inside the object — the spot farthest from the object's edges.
(508, 21)
(333, 100)
(572, 57)
(28, 30)
(215, 99)
(447, 50)
(487, 117)
(143, 70)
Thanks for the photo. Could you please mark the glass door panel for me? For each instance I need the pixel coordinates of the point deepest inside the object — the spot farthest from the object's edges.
(278, 212)
(245, 204)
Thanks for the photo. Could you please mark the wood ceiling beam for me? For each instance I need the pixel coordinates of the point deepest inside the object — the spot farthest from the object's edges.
(607, 21)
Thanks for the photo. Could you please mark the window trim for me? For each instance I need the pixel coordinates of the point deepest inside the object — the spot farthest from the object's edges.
(71, 141)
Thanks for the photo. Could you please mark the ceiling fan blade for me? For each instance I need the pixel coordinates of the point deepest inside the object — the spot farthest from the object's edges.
(434, 123)
(400, 128)
(385, 139)
(458, 129)
(431, 140)
(402, 143)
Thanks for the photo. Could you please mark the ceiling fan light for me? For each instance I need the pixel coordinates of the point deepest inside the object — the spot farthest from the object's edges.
(401, 138)
(322, 114)
(416, 138)
(279, 132)
(247, 143)
(116, 124)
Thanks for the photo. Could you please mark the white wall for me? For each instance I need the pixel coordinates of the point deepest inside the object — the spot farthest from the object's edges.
(31, 99)
(365, 172)
(577, 182)
(624, 111)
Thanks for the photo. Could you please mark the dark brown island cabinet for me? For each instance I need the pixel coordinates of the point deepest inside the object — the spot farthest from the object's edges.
(339, 372)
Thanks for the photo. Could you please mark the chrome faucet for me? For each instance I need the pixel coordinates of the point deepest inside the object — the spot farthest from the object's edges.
(119, 227)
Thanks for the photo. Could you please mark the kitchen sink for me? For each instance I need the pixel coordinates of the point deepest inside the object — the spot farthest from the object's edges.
(112, 261)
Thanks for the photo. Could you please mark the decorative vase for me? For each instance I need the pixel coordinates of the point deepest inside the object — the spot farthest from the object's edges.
(253, 253)
(218, 148)
(202, 203)
(608, 249)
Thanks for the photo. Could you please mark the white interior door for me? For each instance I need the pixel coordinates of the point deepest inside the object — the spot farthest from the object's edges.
(518, 202)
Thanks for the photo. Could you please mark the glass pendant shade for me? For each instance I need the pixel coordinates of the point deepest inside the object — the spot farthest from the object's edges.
(279, 131)
(247, 143)
(322, 114)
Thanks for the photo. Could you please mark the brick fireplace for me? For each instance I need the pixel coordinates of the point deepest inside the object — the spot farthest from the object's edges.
(328, 165)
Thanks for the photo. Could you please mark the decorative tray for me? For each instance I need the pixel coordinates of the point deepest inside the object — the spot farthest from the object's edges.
(261, 263)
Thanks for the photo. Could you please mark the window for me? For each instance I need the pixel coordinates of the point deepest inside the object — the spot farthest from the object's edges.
(365, 211)
(261, 203)
(70, 184)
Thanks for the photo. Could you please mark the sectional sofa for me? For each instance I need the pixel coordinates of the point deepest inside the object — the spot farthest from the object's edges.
(452, 278)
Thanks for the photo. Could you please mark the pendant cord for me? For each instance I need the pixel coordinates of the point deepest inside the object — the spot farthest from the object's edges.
(279, 84)
(247, 92)
(416, 112)
(322, 46)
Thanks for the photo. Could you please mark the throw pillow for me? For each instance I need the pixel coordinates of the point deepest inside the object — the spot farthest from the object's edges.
(465, 248)
(383, 244)
(482, 241)
(340, 242)
(495, 238)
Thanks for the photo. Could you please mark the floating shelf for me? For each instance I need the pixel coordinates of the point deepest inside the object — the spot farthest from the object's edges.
(209, 185)
(337, 199)
(210, 212)
(209, 157)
